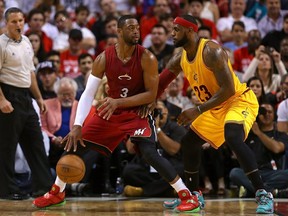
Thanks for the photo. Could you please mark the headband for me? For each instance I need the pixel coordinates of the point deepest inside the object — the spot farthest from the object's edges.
(185, 23)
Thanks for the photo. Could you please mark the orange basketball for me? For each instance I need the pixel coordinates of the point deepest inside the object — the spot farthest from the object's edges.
(70, 168)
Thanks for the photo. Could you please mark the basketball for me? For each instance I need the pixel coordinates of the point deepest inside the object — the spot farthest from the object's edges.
(70, 168)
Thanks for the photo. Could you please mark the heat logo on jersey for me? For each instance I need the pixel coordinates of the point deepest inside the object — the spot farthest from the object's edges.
(139, 132)
(124, 77)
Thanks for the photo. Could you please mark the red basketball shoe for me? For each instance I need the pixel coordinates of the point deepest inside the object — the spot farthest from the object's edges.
(189, 203)
(52, 198)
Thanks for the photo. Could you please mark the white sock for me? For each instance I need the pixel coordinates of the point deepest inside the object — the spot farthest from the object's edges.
(60, 184)
(179, 185)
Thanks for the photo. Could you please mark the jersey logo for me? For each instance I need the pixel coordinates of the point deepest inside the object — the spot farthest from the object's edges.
(139, 132)
(195, 77)
(245, 113)
(124, 77)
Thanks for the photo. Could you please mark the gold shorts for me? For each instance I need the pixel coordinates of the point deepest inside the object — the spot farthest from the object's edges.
(242, 109)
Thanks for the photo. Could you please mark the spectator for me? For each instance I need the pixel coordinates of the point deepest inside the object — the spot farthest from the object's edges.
(147, 22)
(2, 19)
(262, 67)
(273, 20)
(108, 8)
(282, 114)
(110, 28)
(89, 41)
(257, 11)
(38, 48)
(175, 101)
(238, 35)
(210, 11)
(60, 115)
(35, 20)
(46, 73)
(49, 28)
(54, 57)
(64, 25)
(85, 62)
(256, 85)
(244, 55)
(268, 145)
(69, 58)
(269, 39)
(204, 32)
(167, 21)
(284, 51)
(195, 8)
(224, 24)
(159, 47)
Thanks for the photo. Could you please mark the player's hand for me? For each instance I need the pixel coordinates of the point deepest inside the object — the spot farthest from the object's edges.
(147, 109)
(72, 138)
(107, 107)
(41, 105)
(188, 116)
(6, 106)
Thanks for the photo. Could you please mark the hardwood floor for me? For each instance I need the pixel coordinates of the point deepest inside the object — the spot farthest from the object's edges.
(114, 206)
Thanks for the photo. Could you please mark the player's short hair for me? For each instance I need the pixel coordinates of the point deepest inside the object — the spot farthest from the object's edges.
(12, 10)
(122, 20)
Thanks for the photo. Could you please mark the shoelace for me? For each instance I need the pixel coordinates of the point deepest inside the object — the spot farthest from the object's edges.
(263, 199)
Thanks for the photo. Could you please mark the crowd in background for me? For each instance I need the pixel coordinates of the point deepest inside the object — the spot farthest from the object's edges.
(67, 35)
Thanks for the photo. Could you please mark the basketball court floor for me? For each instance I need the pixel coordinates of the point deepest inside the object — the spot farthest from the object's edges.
(114, 206)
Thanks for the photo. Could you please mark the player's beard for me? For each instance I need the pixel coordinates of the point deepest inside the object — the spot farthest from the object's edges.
(181, 42)
(130, 41)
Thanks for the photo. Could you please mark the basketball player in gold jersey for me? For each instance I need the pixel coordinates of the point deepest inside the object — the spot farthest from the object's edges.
(228, 107)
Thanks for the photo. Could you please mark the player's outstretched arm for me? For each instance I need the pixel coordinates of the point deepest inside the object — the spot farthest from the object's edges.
(216, 59)
(85, 103)
(169, 73)
(166, 76)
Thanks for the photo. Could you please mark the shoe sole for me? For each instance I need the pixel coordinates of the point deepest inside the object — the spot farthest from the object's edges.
(190, 211)
(264, 212)
(51, 206)
(172, 206)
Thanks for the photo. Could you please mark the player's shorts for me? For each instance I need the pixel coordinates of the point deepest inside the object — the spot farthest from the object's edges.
(240, 110)
(105, 135)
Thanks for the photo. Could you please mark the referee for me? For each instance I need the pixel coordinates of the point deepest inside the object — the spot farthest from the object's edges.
(19, 122)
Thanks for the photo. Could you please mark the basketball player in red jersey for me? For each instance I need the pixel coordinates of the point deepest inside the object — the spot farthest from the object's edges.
(132, 76)
(228, 108)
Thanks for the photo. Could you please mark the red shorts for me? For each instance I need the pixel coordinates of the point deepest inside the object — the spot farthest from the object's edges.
(104, 136)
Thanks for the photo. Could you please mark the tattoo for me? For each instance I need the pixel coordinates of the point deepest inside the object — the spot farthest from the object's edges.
(215, 58)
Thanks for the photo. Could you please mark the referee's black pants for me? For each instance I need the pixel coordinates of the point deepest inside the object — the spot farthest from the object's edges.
(22, 126)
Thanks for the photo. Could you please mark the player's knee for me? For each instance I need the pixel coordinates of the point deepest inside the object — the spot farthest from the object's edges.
(233, 133)
(185, 142)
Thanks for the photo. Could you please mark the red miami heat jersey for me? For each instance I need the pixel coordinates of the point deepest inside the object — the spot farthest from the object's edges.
(124, 79)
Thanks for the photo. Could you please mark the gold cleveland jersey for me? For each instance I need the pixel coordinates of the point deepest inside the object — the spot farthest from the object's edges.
(202, 79)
